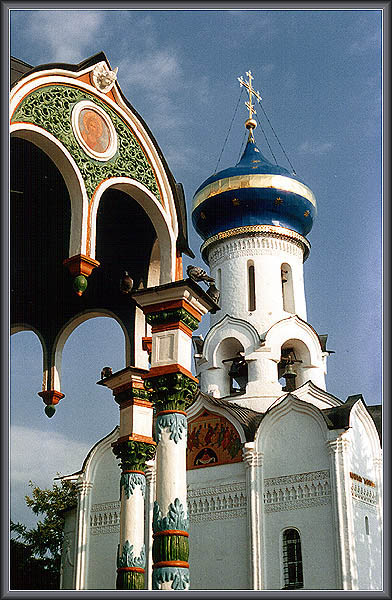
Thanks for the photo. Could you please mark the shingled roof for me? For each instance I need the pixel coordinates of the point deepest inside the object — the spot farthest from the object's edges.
(336, 417)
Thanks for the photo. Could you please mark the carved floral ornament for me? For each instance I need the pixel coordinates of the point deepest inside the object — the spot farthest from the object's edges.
(103, 78)
(51, 108)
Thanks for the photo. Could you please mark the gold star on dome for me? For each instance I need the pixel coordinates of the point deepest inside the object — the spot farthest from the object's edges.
(278, 201)
(306, 213)
(235, 202)
(202, 215)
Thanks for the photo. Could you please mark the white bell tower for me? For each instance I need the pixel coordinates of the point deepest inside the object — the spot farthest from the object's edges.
(254, 218)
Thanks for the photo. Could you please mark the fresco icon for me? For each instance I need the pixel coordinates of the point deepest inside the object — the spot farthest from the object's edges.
(212, 440)
(94, 130)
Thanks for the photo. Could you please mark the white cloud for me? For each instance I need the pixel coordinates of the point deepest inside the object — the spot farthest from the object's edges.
(367, 42)
(157, 71)
(318, 148)
(38, 456)
(65, 34)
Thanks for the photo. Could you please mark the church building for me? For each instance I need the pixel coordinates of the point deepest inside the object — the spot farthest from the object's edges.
(239, 470)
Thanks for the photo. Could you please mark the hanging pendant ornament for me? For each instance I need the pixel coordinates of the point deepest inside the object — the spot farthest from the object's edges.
(80, 284)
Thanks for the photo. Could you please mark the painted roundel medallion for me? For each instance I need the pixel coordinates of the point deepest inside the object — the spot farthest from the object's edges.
(94, 130)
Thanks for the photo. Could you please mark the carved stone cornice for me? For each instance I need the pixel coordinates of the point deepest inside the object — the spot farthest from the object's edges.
(262, 239)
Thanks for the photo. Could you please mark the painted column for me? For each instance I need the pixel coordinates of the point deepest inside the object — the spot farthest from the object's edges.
(150, 492)
(133, 448)
(339, 450)
(253, 461)
(174, 312)
(83, 488)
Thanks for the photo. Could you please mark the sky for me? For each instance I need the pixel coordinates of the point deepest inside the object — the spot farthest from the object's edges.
(319, 75)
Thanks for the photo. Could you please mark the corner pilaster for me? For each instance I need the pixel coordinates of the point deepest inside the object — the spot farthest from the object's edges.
(253, 461)
(339, 451)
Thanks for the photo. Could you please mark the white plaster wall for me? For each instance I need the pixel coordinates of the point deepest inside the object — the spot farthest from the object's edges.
(368, 547)
(317, 545)
(267, 255)
(218, 540)
(102, 547)
(295, 444)
(68, 553)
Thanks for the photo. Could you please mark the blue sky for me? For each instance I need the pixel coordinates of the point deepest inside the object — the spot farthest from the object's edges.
(319, 74)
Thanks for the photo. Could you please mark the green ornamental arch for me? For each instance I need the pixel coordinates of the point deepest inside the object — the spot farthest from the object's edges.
(50, 107)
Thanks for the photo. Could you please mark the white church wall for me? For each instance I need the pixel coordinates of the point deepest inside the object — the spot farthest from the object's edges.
(317, 543)
(367, 527)
(68, 551)
(104, 523)
(297, 493)
(218, 534)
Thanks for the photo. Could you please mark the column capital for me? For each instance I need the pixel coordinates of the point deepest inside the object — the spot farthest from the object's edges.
(338, 445)
(83, 487)
(252, 458)
(171, 387)
(133, 454)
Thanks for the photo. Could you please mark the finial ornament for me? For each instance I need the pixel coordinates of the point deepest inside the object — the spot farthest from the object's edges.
(250, 123)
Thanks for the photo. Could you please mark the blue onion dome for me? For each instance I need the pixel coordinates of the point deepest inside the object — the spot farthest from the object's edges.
(253, 192)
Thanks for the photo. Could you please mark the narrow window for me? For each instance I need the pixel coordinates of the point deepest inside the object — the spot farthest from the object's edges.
(292, 560)
(251, 288)
(367, 525)
(287, 288)
(219, 279)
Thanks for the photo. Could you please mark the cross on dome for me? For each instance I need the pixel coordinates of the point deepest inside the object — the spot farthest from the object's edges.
(250, 123)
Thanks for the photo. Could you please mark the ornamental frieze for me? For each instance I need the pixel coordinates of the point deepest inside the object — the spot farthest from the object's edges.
(88, 135)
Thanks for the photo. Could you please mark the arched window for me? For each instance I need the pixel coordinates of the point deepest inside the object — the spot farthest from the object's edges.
(251, 287)
(287, 288)
(292, 560)
(218, 282)
(367, 525)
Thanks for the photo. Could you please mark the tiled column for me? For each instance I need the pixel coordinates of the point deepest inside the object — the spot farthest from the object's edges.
(133, 448)
(174, 312)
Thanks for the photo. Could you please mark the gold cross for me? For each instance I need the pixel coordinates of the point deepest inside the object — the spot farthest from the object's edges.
(252, 92)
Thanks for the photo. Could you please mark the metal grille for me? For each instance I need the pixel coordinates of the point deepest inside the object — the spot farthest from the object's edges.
(292, 560)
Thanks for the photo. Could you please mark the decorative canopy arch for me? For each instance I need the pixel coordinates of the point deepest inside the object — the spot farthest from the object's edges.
(153, 209)
(229, 327)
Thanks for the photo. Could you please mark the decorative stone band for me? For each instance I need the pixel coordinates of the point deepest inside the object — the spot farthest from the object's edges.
(130, 568)
(175, 518)
(175, 421)
(171, 563)
(171, 532)
(171, 387)
(257, 230)
(130, 479)
(227, 501)
(172, 308)
(133, 454)
(178, 576)
(301, 490)
(170, 538)
(167, 319)
(127, 392)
